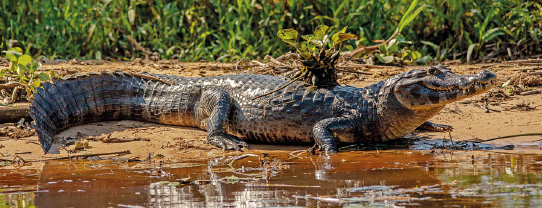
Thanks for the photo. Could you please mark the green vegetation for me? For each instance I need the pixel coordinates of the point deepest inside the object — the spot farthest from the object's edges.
(319, 61)
(23, 72)
(229, 30)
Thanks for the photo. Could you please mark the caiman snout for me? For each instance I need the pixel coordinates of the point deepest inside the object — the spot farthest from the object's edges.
(467, 81)
(487, 75)
(421, 89)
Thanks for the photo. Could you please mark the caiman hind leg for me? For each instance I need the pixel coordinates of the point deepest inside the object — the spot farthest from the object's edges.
(428, 125)
(212, 110)
(325, 130)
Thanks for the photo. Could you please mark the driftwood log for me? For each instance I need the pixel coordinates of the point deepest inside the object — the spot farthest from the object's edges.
(13, 115)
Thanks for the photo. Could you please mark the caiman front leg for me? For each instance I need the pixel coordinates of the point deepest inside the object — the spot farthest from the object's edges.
(325, 129)
(213, 109)
(428, 125)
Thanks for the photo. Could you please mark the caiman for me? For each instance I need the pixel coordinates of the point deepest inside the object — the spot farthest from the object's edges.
(226, 108)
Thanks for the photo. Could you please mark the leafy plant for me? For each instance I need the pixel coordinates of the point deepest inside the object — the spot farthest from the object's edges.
(390, 52)
(24, 71)
(319, 55)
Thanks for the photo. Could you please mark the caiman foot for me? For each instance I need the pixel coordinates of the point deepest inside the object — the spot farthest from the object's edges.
(428, 125)
(227, 142)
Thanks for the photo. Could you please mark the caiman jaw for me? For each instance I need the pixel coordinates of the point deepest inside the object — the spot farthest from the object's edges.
(438, 86)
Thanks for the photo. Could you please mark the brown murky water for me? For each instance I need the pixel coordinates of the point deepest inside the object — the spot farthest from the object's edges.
(352, 179)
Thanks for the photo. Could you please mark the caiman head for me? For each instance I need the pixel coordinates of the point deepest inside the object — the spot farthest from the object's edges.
(438, 86)
(411, 98)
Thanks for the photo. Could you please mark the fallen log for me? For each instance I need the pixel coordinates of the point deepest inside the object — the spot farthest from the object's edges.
(14, 115)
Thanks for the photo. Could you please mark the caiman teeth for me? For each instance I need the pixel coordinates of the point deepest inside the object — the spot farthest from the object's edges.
(455, 87)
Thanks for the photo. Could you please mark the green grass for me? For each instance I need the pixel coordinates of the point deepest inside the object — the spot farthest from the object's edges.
(230, 30)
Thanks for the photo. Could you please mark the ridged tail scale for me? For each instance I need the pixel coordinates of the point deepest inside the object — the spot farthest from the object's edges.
(89, 98)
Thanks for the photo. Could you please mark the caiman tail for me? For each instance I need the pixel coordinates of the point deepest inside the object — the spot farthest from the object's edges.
(96, 97)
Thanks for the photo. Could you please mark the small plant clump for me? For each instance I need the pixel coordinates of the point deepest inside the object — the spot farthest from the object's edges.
(22, 73)
(318, 55)
(319, 62)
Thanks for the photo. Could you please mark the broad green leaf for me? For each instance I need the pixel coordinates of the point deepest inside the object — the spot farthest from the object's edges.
(17, 49)
(384, 59)
(25, 59)
(469, 51)
(345, 36)
(416, 55)
(424, 60)
(2, 72)
(13, 55)
(392, 46)
(13, 66)
(400, 38)
(382, 49)
(290, 41)
(434, 46)
(320, 32)
(303, 50)
(287, 34)
(312, 48)
(36, 83)
(307, 37)
(22, 67)
(35, 66)
(335, 37)
(131, 16)
(44, 76)
(305, 54)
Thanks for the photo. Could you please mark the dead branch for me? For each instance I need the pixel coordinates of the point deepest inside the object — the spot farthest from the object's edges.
(11, 85)
(525, 61)
(351, 71)
(89, 155)
(353, 65)
(147, 53)
(362, 49)
(13, 115)
(275, 61)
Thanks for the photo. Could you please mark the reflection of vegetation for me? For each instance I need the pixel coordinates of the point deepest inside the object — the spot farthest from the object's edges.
(505, 177)
(17, 200)
(229, 30)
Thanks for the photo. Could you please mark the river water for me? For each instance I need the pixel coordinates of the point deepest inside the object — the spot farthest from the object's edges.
(391, 178)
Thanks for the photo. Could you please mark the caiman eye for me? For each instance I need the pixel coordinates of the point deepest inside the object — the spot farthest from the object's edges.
(433, 71)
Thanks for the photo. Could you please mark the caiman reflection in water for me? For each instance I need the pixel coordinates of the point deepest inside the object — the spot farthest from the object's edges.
(390, 178)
